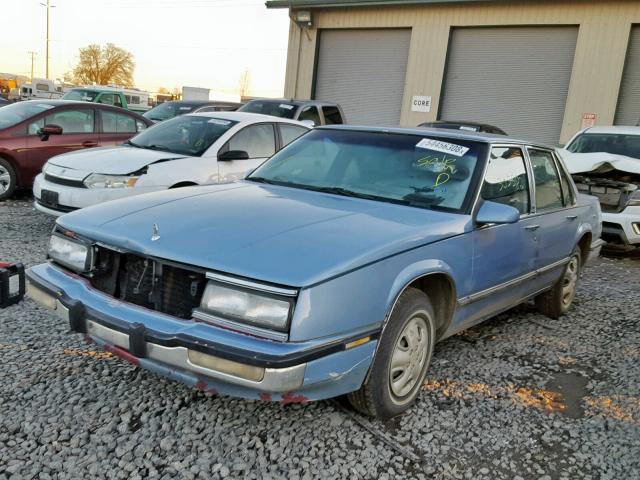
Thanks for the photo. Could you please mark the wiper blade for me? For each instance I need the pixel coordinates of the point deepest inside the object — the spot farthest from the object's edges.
(131, 144)
(347, 193)
(264, 180)
(155, 147)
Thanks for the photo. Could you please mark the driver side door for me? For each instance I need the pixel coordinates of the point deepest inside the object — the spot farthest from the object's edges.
(78, 132)
(258, 140)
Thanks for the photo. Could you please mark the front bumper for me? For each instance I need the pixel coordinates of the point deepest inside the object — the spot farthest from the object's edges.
(72, 198)
(200, 355)
(623, 227)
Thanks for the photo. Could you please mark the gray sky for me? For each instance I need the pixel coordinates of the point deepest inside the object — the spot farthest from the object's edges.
(201, 43)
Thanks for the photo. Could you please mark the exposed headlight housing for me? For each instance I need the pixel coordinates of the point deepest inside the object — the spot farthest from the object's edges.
(247, 306)
(98, 180)
(74, 254)
(634, 201)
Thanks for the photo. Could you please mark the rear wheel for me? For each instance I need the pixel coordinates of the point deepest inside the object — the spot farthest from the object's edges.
(556, 302)
(402, 359)
(7, 179)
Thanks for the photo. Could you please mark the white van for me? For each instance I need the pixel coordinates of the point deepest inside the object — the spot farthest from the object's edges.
(40, 88)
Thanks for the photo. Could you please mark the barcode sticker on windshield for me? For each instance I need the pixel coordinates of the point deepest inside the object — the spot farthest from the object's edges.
(285, 106)
(217, 121)
(444, 147)
(184, 108)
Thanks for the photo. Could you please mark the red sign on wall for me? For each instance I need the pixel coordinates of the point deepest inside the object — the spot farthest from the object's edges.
(588, 120)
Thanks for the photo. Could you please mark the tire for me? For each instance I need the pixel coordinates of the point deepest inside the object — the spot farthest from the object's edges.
(8, 180)
(557, 301)
(409, 337)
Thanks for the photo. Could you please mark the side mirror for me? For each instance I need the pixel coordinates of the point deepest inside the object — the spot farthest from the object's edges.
(496, 213)
(47, 130)
(230, 155)
(308, 123)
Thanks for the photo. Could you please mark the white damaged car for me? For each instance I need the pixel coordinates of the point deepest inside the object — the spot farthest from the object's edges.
(605, 162)
(195, 149)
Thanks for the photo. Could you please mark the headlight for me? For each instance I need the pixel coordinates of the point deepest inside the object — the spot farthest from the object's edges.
(249, 307)
(634, 201)
(98, 180)
(70, 253)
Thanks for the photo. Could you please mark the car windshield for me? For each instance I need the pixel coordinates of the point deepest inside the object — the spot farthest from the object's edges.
(15, 113)
(618, 144)
(80, 94)
(168, 110)
(186, 135)
(270, 107)
(420, 171)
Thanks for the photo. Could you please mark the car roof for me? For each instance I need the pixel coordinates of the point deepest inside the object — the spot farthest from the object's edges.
(460, 122)
(200, 102)
(247, 117)
(294, 101)
(66, 103)
(621, 129)
(439, 132)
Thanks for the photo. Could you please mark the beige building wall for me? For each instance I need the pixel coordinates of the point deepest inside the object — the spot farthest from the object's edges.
(598, 64)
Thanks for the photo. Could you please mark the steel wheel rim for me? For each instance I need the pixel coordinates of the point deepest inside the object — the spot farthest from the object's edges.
(409, 357)
(569, 281)
(5, 180)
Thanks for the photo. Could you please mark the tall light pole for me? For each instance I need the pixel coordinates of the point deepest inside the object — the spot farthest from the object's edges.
(49, 7)
(33, 54)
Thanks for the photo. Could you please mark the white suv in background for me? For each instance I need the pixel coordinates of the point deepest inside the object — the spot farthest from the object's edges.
(605, 162)
(194, 149)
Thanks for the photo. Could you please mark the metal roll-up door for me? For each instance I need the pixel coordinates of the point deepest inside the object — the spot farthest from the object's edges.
(628, 111)
(515, 78)
(364, 71)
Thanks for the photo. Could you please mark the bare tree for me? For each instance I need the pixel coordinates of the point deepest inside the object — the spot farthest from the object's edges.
(104, 65)
(244, 83)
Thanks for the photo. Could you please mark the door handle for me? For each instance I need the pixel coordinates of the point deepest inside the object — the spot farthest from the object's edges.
(89, 143)
(532, 228)
(572, 217)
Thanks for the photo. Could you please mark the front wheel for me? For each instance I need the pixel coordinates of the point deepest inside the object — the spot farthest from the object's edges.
(7, 179)
(402, 359)
(556, 302)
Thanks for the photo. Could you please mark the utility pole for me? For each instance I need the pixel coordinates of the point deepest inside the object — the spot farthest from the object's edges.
(33, 54)
(49, 7)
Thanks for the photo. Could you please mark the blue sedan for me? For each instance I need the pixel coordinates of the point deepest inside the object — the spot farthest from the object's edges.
(332, 269)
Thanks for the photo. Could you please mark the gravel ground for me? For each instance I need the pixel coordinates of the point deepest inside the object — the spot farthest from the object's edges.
(519, 397)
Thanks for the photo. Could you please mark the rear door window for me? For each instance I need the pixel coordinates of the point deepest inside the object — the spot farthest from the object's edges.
(545, 173)
(113, 122)
(310, 113)
(332, 115)
(506, 179)
(289, 133)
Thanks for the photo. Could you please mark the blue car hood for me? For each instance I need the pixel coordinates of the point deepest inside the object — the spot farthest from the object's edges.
(276, 234)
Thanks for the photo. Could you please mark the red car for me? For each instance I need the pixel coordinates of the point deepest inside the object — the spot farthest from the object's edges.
(34, 131)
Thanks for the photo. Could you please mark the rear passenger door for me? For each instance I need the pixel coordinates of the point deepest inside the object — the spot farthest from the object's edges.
(553, 211)
(258, 140)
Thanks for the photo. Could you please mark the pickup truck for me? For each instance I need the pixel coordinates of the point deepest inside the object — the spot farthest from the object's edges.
(134, 100)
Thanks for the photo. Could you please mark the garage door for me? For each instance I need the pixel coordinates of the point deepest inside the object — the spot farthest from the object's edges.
(628, 112)
(364, 71)
(515, 78)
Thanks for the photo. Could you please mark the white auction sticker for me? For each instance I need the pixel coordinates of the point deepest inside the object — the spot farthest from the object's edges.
(219, 122)
(14, 285)
(285, 106)
(444, 147)
(185, 108)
